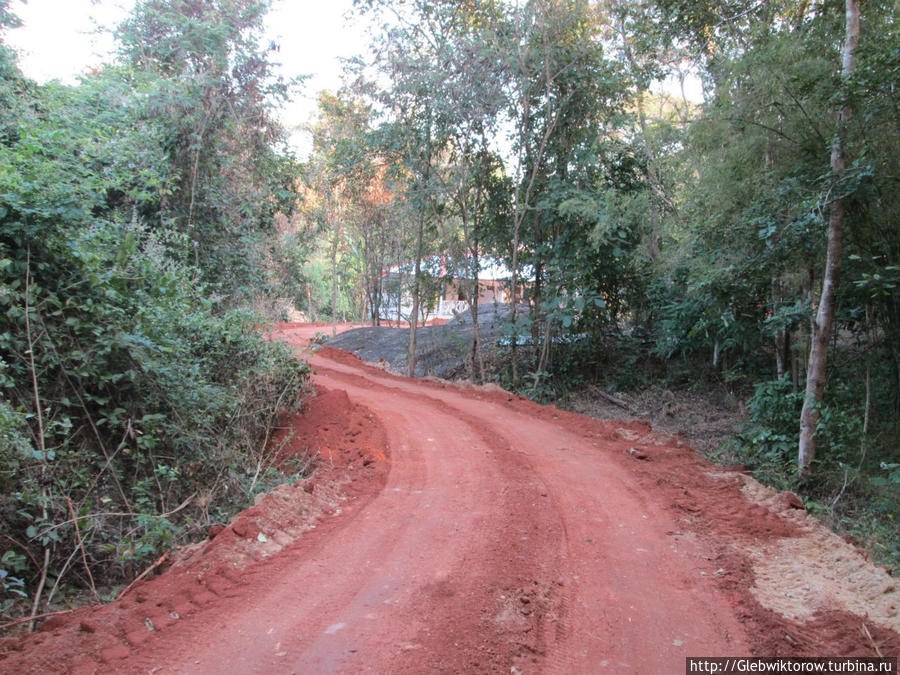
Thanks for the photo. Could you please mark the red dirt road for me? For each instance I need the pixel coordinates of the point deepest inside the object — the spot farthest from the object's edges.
(464, 530)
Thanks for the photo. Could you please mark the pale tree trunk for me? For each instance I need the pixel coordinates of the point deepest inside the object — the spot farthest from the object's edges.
(399, 294)
(513, 299)
(476, 356)
(470, 296)
(475, 360)
(334, 275)
(544, 360)
(821, 325)
(417, 281)
(472, 293)
(414, 318)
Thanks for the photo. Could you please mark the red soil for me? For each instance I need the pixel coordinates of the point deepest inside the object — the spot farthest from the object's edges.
(462, 529)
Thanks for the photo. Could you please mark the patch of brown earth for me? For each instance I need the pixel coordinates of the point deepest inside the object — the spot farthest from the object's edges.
(704, 420)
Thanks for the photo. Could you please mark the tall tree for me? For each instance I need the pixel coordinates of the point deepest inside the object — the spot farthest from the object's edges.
(417, 130)
(821, 326)
(211, 86)
(568, 109)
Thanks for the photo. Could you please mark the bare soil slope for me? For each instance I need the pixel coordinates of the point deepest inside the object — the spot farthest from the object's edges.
(441, 351)
(453, 529)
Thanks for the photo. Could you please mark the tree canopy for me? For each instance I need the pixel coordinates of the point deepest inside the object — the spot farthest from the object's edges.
(644, 227)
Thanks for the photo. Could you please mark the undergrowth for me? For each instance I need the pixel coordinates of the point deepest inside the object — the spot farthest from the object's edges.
(855, 485)
(130, 421)
(136, 393)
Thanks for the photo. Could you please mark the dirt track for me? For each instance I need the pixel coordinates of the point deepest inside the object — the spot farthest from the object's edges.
(466, 530)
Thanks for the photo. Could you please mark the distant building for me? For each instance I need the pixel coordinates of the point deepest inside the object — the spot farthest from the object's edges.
(443, 291)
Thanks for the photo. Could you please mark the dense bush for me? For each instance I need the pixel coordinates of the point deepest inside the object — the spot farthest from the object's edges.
(136, 390)
(124, 394)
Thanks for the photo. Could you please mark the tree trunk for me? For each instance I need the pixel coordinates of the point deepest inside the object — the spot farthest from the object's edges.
(414, 318)
(536, 294)
(513, 299)
(780, 334)
(472, 253)
(476, 356)
(821, 325)
(417, 281)
(399, 294)
(375, 273)
(544, 360)
(334, 276)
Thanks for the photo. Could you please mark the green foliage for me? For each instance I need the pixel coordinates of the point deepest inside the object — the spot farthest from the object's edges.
(891, 475)
(209, 95)
(656, 238)
(770, 439)
(135, 387)
(13, 587)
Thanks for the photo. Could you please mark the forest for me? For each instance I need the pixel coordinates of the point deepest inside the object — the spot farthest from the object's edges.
(153, 218)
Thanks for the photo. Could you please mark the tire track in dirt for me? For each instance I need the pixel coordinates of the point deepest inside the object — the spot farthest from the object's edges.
(728, 519)
(621, 615)
(466, 555)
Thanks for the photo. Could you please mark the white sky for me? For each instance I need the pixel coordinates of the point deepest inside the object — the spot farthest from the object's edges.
(59, 41)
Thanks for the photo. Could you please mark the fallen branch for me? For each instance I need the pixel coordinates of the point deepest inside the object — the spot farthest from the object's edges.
(615, 401)
(865, 630)
(61, 574)
(40, 589)
(147, 571)
(35, 618)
